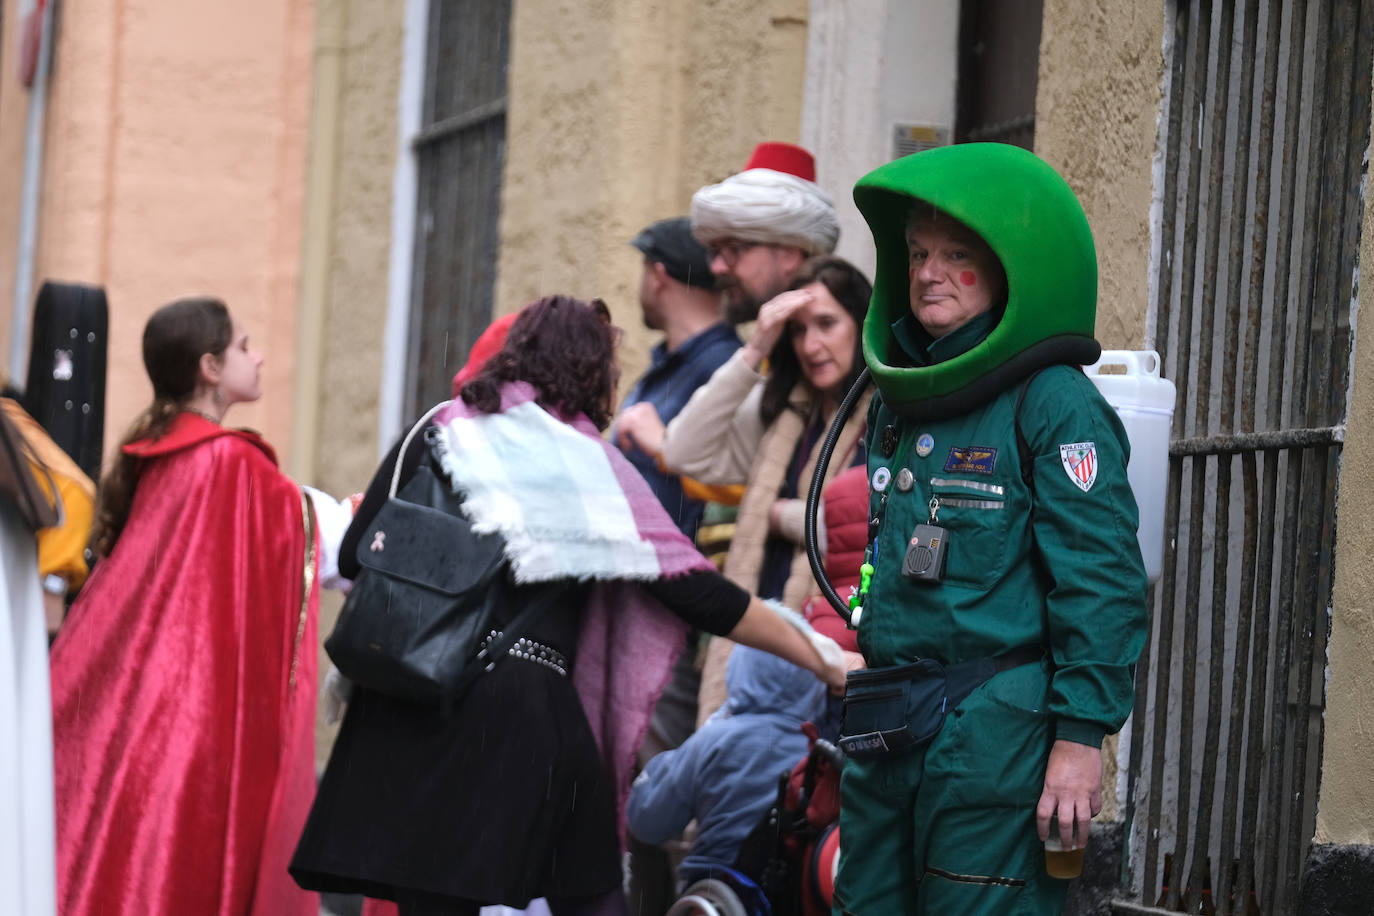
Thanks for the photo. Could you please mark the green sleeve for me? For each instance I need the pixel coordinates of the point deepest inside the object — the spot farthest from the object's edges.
(1085, 536)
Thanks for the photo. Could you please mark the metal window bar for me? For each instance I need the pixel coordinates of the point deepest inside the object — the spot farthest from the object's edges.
(1264, 138)
(460, 153)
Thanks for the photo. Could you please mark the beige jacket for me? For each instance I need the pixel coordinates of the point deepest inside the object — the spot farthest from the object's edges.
(719, 438)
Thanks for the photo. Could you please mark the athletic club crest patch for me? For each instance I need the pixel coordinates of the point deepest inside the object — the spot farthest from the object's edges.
(1080, 463)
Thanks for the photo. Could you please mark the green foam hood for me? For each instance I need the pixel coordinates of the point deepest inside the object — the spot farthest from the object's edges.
(1032, 221)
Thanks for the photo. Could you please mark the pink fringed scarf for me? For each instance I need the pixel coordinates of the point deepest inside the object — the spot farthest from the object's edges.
(570, 506)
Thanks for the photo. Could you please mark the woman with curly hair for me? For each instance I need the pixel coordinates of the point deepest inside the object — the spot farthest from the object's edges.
(519, 791)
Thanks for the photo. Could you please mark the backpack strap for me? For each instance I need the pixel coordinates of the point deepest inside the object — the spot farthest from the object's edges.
(1023, 449)
(1023, 452)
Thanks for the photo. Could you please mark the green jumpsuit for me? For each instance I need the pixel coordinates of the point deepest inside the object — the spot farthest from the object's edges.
(1047, 560)
(951, 828)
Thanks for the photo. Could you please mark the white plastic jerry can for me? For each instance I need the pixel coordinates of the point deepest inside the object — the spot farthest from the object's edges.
(1145, 403)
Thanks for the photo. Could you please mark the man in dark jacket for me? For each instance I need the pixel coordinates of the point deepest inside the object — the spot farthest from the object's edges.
(677, 294)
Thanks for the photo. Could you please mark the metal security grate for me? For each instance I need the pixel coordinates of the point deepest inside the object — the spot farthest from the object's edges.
(460, 150)
(1264, 142)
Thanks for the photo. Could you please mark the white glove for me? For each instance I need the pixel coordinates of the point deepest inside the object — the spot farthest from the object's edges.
(829, 650)
(332, 517)
(335, 693)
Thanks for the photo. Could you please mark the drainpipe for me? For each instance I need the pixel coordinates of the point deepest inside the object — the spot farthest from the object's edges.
(28, 201)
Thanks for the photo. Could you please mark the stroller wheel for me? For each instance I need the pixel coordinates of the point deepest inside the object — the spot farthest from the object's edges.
(708, 897)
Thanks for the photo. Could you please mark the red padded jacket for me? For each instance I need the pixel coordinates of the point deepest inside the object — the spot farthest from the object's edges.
(846, 531)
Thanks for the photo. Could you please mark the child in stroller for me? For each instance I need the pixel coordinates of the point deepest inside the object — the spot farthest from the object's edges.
(726, 775)
(786, 865)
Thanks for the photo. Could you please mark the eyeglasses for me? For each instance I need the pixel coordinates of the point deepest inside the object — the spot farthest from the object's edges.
(729, 251)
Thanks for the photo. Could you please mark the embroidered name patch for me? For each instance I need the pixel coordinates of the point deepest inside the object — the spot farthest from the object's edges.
(972, 459)
(1080, 463)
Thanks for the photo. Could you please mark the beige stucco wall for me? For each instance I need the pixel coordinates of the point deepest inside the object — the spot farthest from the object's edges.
(353, 159)
(1345, 799)
(619, 110)
(174, 164)
(1096, 121)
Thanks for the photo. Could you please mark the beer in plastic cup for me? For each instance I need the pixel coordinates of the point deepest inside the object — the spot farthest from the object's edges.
(1061, 862)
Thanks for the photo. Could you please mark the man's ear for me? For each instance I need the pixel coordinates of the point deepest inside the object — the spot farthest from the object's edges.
(210, 366)
(661, 277)
(791, 259)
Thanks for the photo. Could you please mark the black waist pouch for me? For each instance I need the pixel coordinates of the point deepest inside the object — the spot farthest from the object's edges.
(894, 710)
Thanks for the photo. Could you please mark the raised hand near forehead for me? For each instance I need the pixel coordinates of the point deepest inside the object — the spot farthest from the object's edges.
(772, 322)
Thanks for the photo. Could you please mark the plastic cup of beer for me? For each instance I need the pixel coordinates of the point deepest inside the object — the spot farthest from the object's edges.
(1059, 861)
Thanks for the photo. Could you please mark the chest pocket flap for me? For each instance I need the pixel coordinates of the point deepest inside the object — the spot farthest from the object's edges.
(975, 513)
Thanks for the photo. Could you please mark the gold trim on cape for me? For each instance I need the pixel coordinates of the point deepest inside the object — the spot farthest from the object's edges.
(307, 581)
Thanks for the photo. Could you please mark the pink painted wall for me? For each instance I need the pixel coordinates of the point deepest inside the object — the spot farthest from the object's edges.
(175, 165)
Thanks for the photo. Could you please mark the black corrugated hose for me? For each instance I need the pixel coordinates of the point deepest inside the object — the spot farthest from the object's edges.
(813, 497)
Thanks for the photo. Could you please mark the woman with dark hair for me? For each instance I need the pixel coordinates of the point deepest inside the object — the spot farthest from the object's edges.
(183, 682)
(765, 431)
(519, 791)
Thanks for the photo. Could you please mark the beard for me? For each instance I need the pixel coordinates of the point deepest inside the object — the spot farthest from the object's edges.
(737, 306)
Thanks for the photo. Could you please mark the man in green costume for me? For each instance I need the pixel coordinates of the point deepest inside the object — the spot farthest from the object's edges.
(985, 430)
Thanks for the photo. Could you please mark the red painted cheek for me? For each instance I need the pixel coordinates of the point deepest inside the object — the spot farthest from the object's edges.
(968, 278)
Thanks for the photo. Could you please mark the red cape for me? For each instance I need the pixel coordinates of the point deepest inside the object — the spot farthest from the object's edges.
(183, 688)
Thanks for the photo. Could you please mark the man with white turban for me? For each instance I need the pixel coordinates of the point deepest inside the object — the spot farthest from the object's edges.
(760, 225)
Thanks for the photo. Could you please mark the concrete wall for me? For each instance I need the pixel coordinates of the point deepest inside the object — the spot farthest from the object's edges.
(619, 111)
(175, 154)
(1096, 117)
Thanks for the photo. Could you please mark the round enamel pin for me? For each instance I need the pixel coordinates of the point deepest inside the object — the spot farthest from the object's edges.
(925, 444)
(905, 480)
(881, 478)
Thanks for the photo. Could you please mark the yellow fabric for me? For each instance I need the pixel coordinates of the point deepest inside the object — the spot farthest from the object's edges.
(725, 494)
(61, 549)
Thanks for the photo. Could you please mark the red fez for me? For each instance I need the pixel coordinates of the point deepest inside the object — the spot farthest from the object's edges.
(783, 157)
